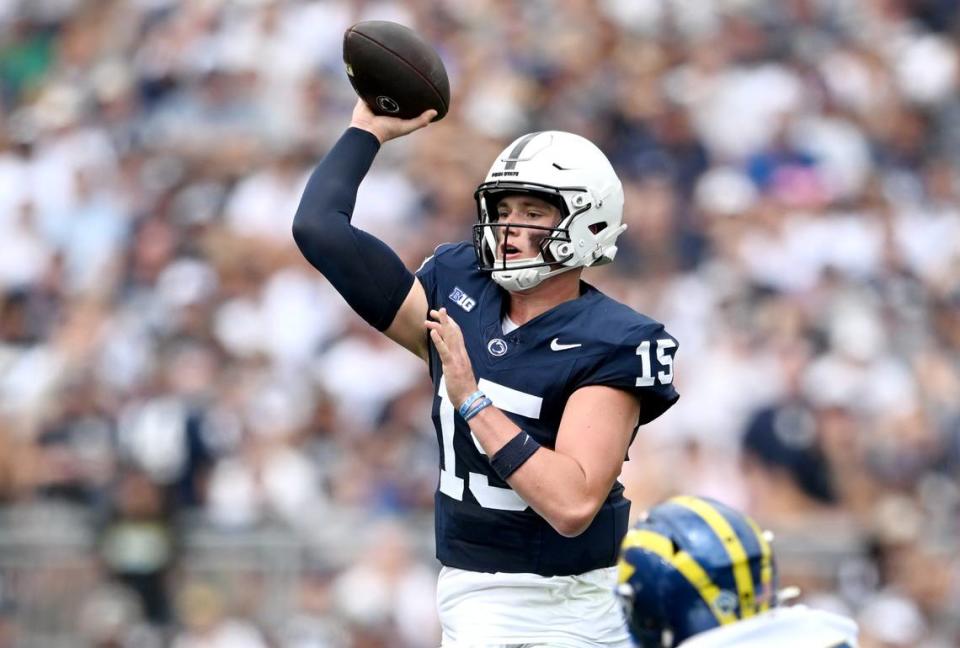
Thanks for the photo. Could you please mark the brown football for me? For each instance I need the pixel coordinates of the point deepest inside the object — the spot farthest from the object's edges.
(395, 71)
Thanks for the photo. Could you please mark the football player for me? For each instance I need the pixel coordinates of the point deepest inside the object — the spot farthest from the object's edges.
(540, 380)
(695, 573)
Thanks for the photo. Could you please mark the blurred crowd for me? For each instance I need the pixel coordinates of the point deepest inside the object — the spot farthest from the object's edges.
(187, 409)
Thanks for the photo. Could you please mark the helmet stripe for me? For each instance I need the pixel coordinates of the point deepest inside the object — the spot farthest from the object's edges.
(683, 562)
(734, 547)
(766, 565)
(753, 547)
(515, 153)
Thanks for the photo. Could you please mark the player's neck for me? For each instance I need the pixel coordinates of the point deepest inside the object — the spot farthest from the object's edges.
(526, 305)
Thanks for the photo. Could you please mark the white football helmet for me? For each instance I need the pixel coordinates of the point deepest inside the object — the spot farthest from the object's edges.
(566, 170)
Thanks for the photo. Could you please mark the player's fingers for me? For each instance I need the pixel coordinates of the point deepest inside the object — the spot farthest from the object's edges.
(437, 321)
(407, 126)
(426, 117)
(435, 328)
(447, 327)
(448, 321)
(451, 328)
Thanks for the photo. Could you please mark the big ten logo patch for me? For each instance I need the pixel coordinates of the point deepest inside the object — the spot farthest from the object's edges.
(462, 299)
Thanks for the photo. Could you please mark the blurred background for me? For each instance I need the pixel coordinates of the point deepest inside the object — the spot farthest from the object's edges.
(201, 446)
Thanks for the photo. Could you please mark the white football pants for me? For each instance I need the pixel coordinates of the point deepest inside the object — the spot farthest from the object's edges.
(479, 610)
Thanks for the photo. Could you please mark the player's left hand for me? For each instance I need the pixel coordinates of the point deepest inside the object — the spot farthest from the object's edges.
(457, 369)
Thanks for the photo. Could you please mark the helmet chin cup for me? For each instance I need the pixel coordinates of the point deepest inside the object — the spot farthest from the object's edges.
(518, 279)
(525, 278)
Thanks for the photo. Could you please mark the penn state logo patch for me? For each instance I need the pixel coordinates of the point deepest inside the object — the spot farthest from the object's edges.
(497, 347)
(462, 299)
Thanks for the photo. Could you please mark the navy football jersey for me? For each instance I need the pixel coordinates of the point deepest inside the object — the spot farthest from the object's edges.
(481, 523)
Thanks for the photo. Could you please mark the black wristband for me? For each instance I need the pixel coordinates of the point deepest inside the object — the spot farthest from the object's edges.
(513, 455)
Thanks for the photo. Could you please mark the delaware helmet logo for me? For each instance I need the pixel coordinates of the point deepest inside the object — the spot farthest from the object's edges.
(497, 347)
(387, 104)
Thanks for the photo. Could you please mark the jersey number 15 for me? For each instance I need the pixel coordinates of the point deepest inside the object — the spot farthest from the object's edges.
(487, 496)
(664, 357)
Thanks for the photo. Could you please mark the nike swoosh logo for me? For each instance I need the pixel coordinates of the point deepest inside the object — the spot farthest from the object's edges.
(556, 346)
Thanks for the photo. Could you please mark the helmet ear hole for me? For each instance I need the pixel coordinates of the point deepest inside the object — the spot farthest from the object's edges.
(596, 228)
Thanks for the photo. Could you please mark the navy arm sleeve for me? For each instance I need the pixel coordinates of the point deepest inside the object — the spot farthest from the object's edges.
(363, 269)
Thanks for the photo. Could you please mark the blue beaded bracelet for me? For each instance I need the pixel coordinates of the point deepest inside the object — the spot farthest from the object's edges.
(485, 402)
(471, 399)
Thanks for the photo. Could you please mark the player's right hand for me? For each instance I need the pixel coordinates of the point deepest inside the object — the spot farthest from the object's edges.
(387, 128)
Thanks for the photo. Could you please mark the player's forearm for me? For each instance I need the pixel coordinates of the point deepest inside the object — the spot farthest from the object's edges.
(551, 483)
(339, 174)
(331, 192)
(365, 271)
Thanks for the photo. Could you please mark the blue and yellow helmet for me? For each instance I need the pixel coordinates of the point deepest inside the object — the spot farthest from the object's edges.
(689, 565)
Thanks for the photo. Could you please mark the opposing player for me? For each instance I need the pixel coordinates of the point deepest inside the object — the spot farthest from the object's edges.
(540, 379)
(695, 573)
